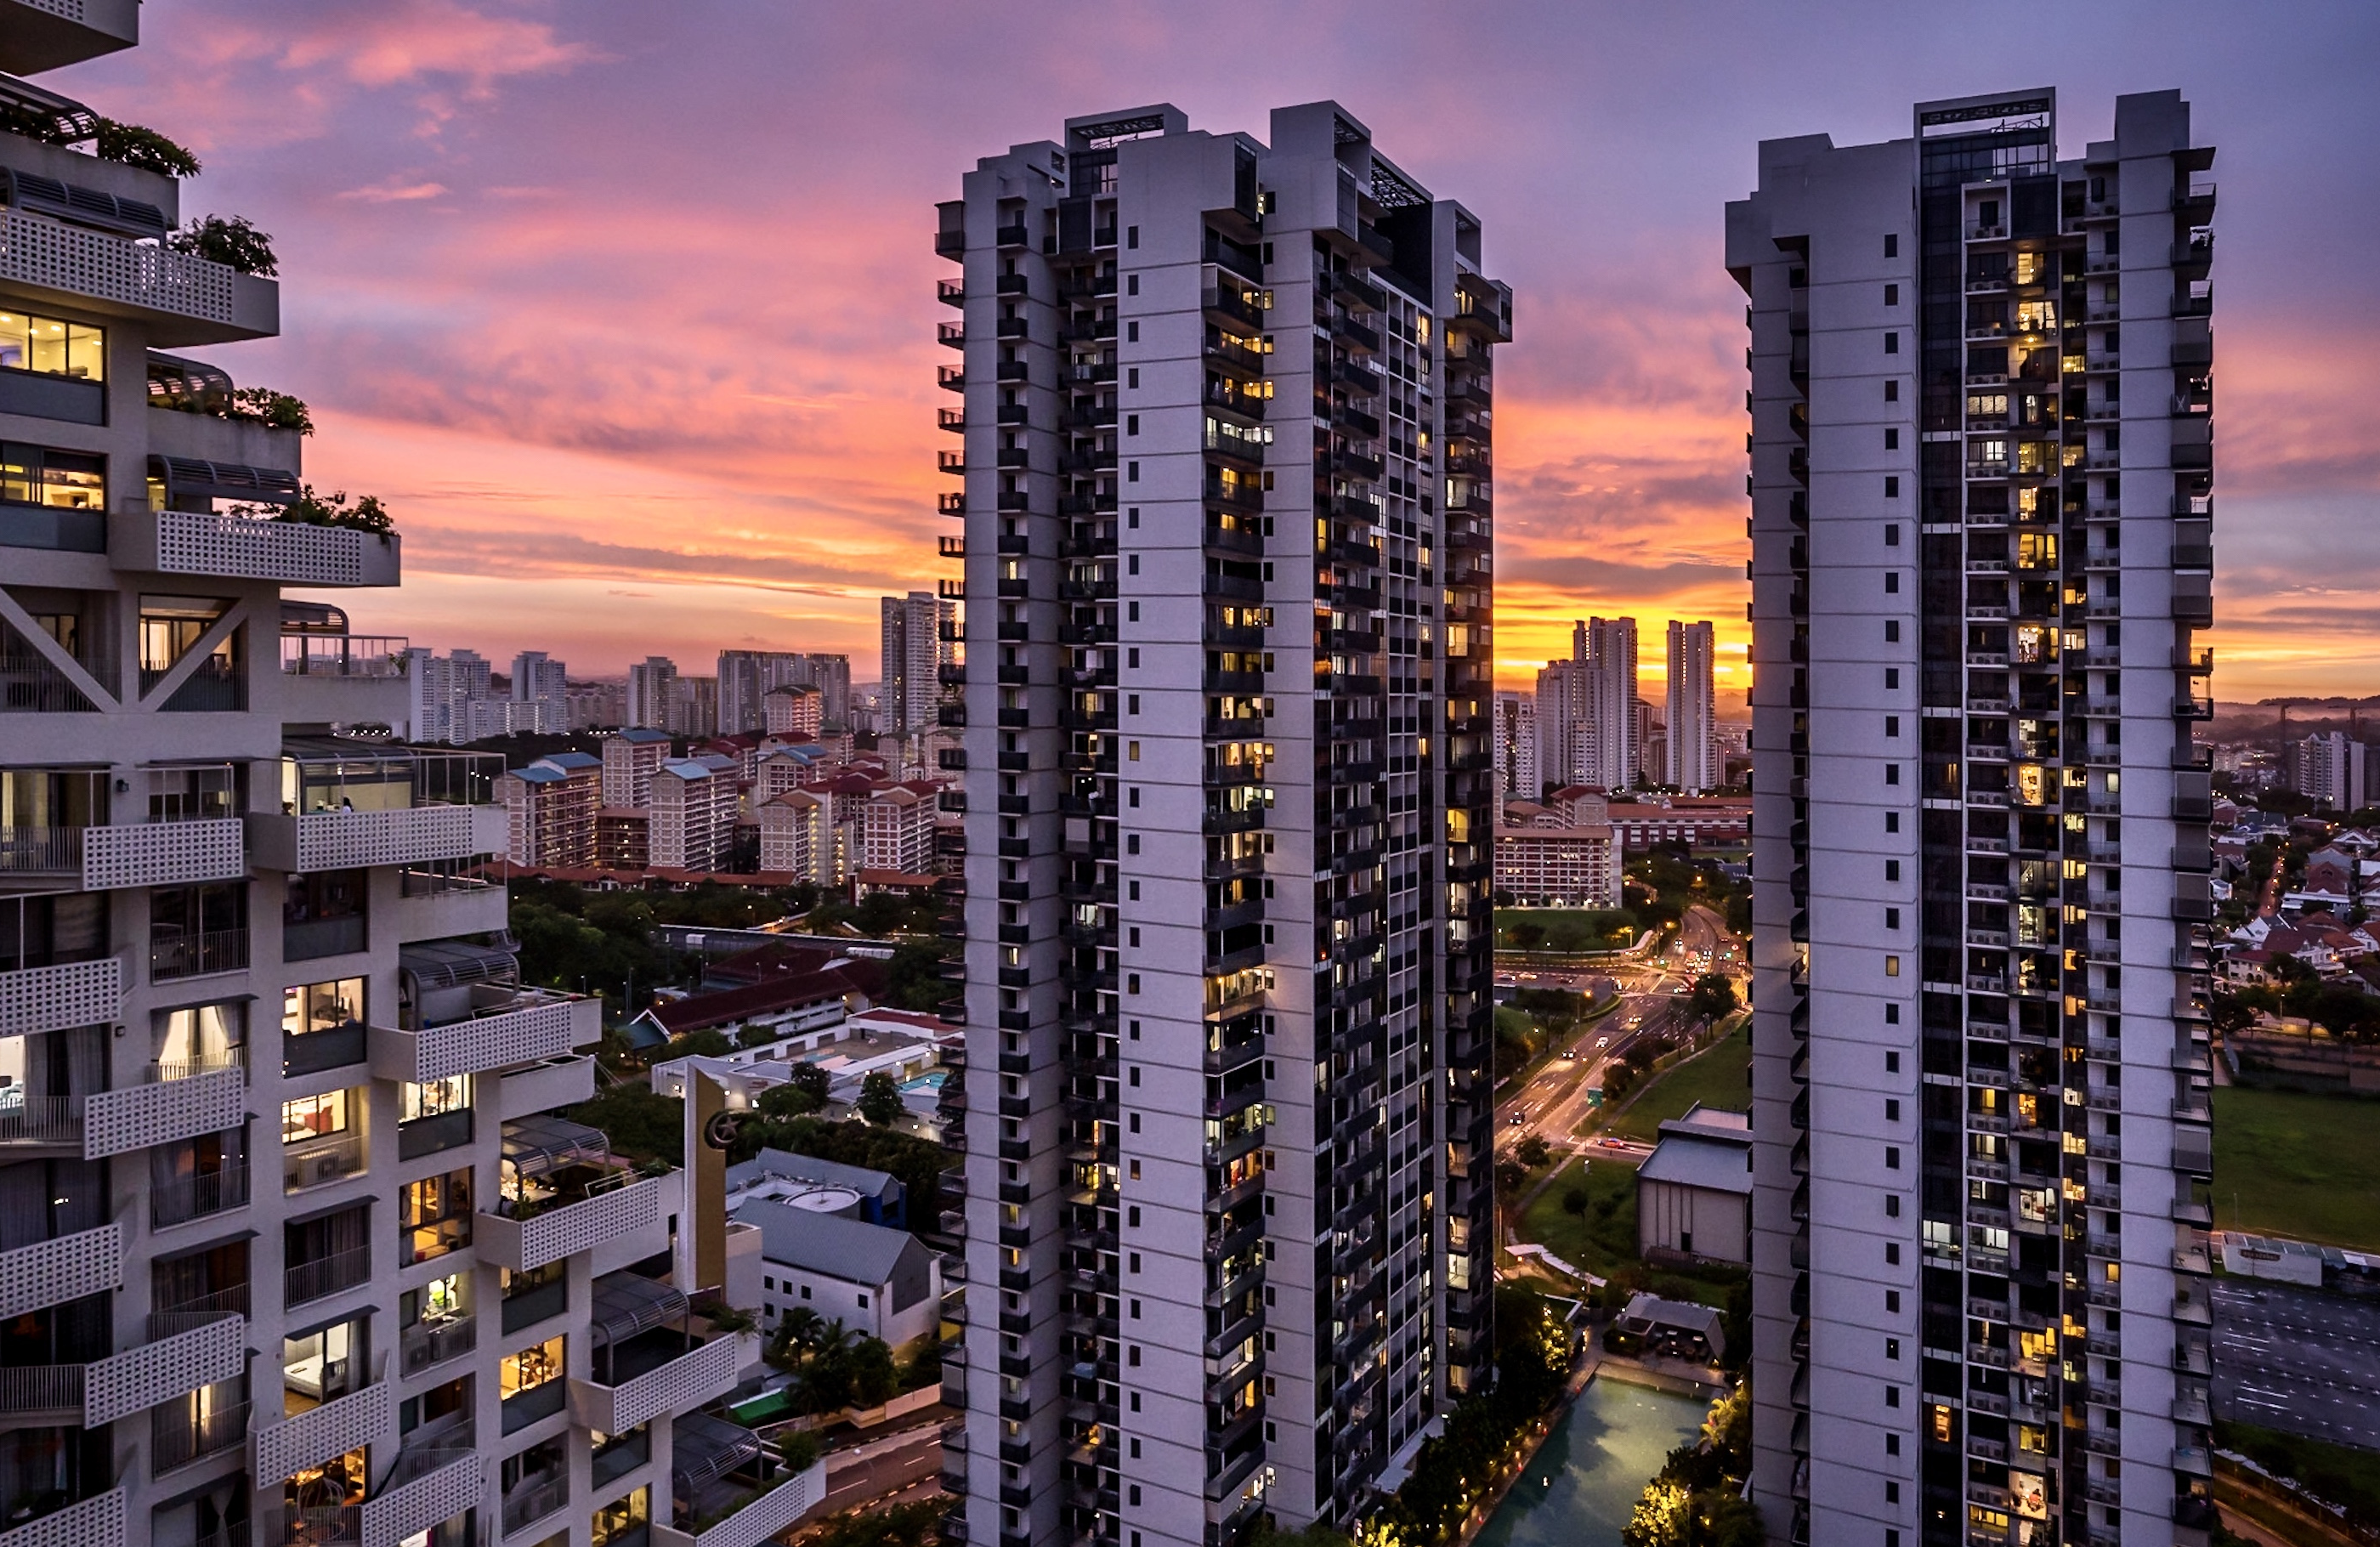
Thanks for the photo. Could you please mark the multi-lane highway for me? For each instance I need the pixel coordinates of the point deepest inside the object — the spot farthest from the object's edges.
(2296, 1360)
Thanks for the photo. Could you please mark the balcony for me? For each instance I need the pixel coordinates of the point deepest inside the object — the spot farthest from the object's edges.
(562, 1193)
(194, 1101)
(315, 1435)
(200, 1195)
(429, 1485)
(171, 1365)
(341, 679)
(130, 855)
(427, 1343)
(250, 548)
(341, 840)
(181, 298)
(319, 1277)
(435, 903)
(644, 1367)
(728, 1489)
(505, 1025)
(67, 1268)
(56, 998)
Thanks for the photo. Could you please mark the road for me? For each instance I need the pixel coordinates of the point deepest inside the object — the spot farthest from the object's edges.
(877, 1470)
(2297, 1360)
(1554, 1102)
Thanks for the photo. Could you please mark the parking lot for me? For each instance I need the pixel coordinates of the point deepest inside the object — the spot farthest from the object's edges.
(2297, 1360)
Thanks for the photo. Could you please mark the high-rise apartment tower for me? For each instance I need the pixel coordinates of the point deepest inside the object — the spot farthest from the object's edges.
(1611, 738)
(1690, 755)
(294, 1248)
(1980, 1044)
(915, 645)
(1230, 780)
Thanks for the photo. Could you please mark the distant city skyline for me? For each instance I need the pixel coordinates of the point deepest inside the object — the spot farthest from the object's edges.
(482, 342)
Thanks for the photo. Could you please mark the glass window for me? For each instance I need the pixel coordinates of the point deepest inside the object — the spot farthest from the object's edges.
(320, 1366)
(534, 1365)
(622, 1518)
(434, 1216)
(44, 475)
(313, 1117)
(193, 794)
(51, 347)
(440, 1300)
(322, 1006)
(200, 1038)
(435, 1099)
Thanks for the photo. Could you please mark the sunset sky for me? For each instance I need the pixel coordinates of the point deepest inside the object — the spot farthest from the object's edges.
(627, 308)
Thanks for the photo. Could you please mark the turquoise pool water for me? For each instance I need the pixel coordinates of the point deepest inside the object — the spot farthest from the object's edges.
(1591, 1469)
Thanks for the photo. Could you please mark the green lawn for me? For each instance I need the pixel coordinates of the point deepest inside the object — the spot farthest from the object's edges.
(1603, 1239)
(2298, 1165)
(2342, 1475)
(1714, 1076)
(1565, 929)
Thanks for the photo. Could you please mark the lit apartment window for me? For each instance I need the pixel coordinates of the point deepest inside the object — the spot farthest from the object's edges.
(530, 1384)
(52, 347)
(433, 1215)
(45, 475)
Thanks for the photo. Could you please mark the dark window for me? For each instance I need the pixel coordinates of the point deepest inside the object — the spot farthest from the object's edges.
(323, 915)
(1892, 343)
(1891, 246)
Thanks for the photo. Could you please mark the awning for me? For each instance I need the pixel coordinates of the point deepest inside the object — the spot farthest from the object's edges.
(43, 114)
(626, 1304)
(451, 963)
(312, 617)
(76, 205)
(536, 1146)
(187, 476)
(704, 1448)
(174, 380)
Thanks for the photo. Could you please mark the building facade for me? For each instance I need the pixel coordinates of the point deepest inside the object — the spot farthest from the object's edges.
(1691, 751)
(915, 649)
(1226, 490)
(1612, 734)
(294, 1248)
(652, 693)
(1980, 1077)
(630, 761)
(2332, 770)
(692, 817)
(1516, 746)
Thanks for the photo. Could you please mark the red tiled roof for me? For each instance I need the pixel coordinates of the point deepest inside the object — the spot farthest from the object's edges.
(864, 979)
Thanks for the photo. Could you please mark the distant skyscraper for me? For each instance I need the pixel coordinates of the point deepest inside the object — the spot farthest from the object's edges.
(1561, 722)
(537, 678)
(1980, 1115)
(1691, 731)
(1613, 732)
(1231, 777)
(747, 677)
(1516, 746)
(650, 694)
(2330, 770)
(914, 650)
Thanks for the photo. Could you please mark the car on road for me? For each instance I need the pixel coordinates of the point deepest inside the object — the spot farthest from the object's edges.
(1600, 1041)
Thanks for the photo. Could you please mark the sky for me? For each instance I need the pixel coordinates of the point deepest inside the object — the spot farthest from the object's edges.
(628, 309)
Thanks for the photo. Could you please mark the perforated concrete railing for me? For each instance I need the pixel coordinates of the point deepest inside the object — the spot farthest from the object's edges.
(583, 1226)
(140, 1378)
(352, 840)
(162, 854)
(140, 1116)
(51, 1273)
(414, 1507)
(762, 1520)
(35, 251)
(498, 1042)
(55, 998)
(70, 9)
(95, 1522)
(190, 542)
(319, 1433)
(679, 1386)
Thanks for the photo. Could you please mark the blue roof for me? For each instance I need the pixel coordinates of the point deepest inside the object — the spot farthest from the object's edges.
(687, 768)
(644, 733)
(540, 773)
(574, 760)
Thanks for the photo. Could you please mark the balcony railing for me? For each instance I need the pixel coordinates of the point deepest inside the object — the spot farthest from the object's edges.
(199, 1099)
(319, 1162)
(31, 685)
(428, 1486)
(530, 1233)
(40, 1119)
(197, 955)
(199, 1197)
(245, 548)
(98, 1521)
(316, 1435)
(534, 1501)
(162, 854)
(332, 1048)
(338, 840)
(326, 1276)
(702, 1373)
(428, 1343)
(369, 655)
(176, 1439)
(55, 998)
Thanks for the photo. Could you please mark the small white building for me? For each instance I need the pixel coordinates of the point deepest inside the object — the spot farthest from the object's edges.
(1694, 1193)
(872, 1278)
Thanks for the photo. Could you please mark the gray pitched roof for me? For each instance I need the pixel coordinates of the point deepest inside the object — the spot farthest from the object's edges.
(1696, 1161)
(808, 1168)
(827, 1244)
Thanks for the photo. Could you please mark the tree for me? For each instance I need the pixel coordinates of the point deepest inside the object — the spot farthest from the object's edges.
(874, 1378)
(912, 978)
(812, 1080)
(1574, 1200)
(1533, 1152)
(705, 1041)
(1713, 996)
(1526, 934)
(231, 241)
(642, 1124)
(791, 1100)
(880, 1099)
